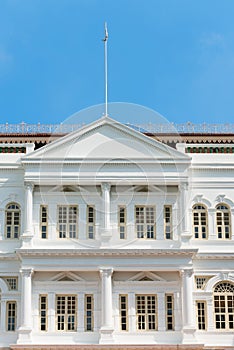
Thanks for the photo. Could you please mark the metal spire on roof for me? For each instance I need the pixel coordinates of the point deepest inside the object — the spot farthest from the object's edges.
(105, 64)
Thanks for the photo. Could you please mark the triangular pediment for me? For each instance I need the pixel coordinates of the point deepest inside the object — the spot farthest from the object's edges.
(67, 277)
(146, 276)
(106, 139)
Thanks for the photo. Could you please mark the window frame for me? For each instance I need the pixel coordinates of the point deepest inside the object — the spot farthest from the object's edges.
(145, 224)
(168, 316)
(200, 218)
(43, 223)
(12, 212)
(201, 313)
(223, 226)
(9, 316)
(45, 310)
(144, 315)
(121, 310)
(67, 224)
(169, 223)
(66, 314)
(86, 316)
(91, 223)
(224, 295)
(122, 221)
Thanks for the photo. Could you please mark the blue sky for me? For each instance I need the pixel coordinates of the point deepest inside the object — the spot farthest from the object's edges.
(173, 56)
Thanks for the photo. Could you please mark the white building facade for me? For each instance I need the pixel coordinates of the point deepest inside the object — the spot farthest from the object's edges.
(111, 237)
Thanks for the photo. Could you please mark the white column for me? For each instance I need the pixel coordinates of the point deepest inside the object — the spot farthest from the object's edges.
(28, 224)
(161, 311)
(3, 315)
(26, 301)
(106, 205)
(184, 211)
(132, 312)
(106, 278)
(81, 312)
(51, 312)
(187, 297)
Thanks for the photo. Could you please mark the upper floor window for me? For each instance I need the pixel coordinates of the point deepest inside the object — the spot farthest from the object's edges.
(68, 221)
(168, 222)
(145, 222)
(224, 306)
(12, 226)
(91, 221)
(200, 226)
(44, 221)
(223, 222)
(122, 222)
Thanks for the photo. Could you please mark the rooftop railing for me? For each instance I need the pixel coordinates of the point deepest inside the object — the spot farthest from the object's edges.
(167, 128)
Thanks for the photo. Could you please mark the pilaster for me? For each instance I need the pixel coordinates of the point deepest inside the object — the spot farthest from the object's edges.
(28, 220)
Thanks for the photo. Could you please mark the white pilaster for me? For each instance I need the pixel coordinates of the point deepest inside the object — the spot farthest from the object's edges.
(106, 205)
(51, 312)
(28, 220)
(2, 212)
(232, 226)
(26, 310)
(80, 313)
(210, 314)
(106, 294)
(132, 312)
(161, 311)
(185, 232)
(188, 306)
(3, 315)
(211, 224)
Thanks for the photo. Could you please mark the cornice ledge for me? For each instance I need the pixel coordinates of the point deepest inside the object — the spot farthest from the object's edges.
(215, 256)
(107, 252)
(8, 256)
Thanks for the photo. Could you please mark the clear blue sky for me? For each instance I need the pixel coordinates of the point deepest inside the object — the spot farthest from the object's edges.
(174, 56)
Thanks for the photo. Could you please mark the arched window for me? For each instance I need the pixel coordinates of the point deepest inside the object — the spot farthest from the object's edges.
(12, 221)
(223, 222)
(224, 305)
(200, 226)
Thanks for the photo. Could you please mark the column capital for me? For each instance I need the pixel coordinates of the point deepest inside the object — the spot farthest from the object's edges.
(106, 271)
(26, 272)
(186, 273)
(28, 185)
(105, 186)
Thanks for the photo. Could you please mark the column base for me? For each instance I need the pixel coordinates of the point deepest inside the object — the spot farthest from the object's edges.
(24, 335)
(26, 239)
(106, 335)
(189, 335)
(185, 237)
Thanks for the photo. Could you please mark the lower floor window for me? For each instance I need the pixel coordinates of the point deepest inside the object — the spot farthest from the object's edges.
(123, 309)
(169, 301)
(11, 315)
(66, 306)
(146, 312)
(89, 313)
(224, 306)
(201, 315)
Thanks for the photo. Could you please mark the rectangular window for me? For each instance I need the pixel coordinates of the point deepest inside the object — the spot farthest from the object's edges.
(66, 306)
(43, 312)
(44, 222)
(201, 315)
(68, 221)
(11, 316)
(12, 282)
(123, 310)
(91, 222)
(200, 282)
(167, 222)
(146, 312)
(122, 222)
(145, 222)
(88, 313)
(169, 302)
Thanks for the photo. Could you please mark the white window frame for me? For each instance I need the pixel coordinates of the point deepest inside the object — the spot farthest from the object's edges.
(168, 231)
(123, 312)
(142, 224)
(122, 221)
(200, 221)
(66, 231)
(89, 310)
(222, 214)
(63, 318)
(145, 318)
(169, 311)
(43, 312)
(44, 221)
(201, 315)
(12, 230)
(11, 316)
(91, 222)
